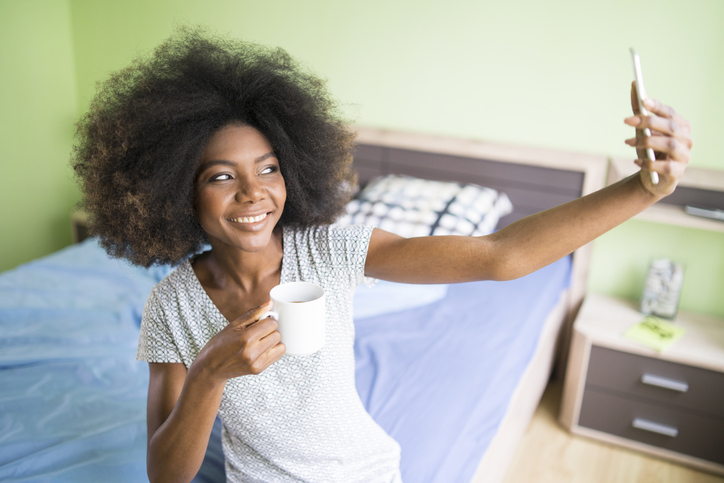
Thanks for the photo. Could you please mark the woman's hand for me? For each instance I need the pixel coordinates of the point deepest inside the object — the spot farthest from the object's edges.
(248, 345)
(670, 139)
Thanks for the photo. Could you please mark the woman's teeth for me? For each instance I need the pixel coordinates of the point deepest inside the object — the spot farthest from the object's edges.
(249, 219)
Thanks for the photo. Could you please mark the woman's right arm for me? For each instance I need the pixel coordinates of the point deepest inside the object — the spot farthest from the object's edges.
(180, 415)
(182, 405)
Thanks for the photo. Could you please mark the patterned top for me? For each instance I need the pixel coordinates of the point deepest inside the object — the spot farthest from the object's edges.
(301, 419)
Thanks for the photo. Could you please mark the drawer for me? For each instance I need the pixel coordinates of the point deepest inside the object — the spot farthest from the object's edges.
(686, 387)
(696, 436)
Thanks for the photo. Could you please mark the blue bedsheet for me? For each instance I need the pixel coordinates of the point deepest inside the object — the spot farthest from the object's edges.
(439, 378)
(73, 397)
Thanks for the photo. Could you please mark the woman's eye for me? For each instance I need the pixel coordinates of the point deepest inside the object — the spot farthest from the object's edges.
(221, 177)
(269, 169)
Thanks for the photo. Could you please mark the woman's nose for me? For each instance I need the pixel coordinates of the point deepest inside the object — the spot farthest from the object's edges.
(248, 190)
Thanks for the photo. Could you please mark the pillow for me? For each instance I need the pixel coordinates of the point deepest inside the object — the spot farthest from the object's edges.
(388, 297)
(412, 207)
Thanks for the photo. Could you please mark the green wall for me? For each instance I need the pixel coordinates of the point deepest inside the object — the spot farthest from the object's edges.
(553, 74)
(548, 74)
(38, 99)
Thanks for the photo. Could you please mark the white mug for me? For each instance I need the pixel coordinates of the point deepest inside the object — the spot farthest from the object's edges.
(299, 307)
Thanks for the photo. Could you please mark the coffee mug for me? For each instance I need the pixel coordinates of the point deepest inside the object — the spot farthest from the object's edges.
(299, 307)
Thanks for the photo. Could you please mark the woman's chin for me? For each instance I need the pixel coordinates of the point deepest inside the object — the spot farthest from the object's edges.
(250, 242)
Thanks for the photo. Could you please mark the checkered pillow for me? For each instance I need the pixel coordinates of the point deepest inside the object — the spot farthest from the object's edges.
(412, 207)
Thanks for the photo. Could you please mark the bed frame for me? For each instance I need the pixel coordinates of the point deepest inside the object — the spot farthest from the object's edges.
(534, 180)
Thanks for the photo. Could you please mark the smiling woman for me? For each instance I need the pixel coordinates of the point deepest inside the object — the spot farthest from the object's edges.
(219, 142)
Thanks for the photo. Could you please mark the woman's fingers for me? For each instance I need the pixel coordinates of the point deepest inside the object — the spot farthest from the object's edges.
(272, 354)
(670, 139)
(670, 133)
(261, 345)
(663, 126)
(658, 108)
(268, 348)
(249, 344)
(260, 337)
(251, 316)
(662, 110)
(672, 146)
(664, 168)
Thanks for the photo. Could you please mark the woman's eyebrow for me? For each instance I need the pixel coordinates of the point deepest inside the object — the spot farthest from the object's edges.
(264, 157)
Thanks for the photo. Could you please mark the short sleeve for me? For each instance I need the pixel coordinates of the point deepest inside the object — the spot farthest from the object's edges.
(348, 247)
(156, 342)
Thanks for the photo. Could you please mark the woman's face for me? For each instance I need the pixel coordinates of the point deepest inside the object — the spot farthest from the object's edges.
(240, 192)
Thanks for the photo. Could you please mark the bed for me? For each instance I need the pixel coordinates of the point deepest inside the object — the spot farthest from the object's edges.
(453, 373)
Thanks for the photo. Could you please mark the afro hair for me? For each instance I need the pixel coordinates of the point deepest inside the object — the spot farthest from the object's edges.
(138, 146)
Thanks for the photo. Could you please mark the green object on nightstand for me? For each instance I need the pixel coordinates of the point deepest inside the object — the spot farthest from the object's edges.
(655, 333)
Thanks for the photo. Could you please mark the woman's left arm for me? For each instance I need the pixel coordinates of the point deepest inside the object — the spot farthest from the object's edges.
(542, 238)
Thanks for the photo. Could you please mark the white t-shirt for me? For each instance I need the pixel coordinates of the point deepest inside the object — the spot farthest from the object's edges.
(301, 419)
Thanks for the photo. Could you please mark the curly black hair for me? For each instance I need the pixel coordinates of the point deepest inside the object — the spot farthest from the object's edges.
(139, 145)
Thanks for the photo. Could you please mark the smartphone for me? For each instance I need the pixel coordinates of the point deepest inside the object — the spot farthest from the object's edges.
(640, 96)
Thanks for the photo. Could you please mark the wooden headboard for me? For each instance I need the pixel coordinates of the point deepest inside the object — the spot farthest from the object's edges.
(534, 179)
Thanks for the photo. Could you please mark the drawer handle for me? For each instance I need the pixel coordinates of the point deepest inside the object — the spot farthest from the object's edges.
(652, 427)
(659, 381)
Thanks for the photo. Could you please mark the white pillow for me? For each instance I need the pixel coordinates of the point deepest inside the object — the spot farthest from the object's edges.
(413, 207)
(388, 297)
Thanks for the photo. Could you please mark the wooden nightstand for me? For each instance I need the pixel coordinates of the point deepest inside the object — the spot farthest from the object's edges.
(79, 225)
(667, 404)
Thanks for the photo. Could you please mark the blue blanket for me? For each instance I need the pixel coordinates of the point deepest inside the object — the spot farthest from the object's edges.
(73, 397)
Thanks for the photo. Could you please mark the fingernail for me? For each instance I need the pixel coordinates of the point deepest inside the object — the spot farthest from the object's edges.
(633, 120)
(649, 103)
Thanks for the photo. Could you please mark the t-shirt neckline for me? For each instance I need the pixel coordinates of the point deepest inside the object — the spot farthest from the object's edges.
(205, 296)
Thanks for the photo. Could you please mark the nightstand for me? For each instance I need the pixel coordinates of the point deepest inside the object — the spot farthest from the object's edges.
(79, 225)
(669, 405)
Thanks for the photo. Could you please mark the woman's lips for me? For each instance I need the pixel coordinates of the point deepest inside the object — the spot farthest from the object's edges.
(249, 219)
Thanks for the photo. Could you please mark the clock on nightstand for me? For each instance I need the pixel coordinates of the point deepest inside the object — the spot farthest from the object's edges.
(668, 404)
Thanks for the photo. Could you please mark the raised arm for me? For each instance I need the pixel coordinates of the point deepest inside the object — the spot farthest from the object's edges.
(540, 239)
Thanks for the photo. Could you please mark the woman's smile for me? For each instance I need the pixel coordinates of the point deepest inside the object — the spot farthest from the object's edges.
(249, 219)
(250, 223)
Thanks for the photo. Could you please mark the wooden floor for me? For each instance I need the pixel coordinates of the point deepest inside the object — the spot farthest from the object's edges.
(549, 453)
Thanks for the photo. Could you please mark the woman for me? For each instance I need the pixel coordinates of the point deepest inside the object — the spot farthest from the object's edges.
(228, 144)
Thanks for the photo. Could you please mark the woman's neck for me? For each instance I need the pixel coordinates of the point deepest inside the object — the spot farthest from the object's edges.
(228, 268)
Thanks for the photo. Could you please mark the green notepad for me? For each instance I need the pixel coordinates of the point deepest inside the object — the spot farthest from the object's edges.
(655, 333)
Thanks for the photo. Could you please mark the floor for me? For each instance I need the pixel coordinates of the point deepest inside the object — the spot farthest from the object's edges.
(549, 453)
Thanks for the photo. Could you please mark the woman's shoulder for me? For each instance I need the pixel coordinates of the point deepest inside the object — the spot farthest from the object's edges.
(179, 281)
(327, 233)
(336, 244)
